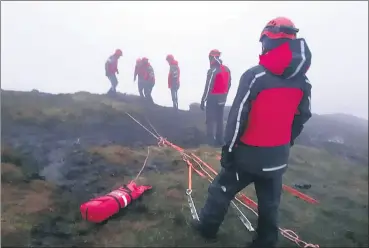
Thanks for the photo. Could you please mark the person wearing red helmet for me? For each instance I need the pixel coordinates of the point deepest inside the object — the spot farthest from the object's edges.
(218, 83)
(173, 79)
(111, 67)
(140, 82)
(269, 111)
(147, 76)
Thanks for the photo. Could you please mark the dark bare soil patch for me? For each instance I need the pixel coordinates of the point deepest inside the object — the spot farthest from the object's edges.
(60, 151)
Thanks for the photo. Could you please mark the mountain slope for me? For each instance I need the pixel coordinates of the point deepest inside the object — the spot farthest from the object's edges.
(61, 150)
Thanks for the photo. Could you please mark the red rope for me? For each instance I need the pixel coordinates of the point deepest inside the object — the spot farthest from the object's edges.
(244, 200)
(295, 192)
(288, 234)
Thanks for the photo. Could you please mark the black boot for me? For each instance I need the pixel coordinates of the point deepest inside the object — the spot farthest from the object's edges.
(175, 105)
(204, 231)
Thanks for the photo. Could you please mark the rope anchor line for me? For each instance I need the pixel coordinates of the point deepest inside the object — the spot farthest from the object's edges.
(243, 218)
(240, 198)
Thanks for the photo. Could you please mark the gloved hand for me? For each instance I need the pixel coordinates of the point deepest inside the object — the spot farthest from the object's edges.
(202, 105)
(226, 160)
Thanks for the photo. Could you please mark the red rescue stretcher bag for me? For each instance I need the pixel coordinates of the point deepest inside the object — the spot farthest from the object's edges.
(102, 208)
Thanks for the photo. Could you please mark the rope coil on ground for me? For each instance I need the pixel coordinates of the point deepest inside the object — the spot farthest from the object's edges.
(240, 197)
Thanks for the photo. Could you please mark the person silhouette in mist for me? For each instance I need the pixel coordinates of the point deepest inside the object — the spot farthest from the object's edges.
(218, 83)
(111, 69)
(173, 79)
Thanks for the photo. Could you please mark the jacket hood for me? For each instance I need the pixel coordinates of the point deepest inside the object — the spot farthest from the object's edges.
(174, 62)
(290, 59)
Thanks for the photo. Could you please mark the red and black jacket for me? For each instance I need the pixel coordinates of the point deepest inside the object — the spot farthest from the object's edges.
(174, 75)
(218, 83)
(111, 65)
(145, 73)
(271, 107)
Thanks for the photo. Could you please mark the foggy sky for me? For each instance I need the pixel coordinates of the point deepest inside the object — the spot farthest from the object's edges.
(61, 47)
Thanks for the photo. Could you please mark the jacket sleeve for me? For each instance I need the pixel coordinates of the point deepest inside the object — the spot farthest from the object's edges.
(151, 73)
(303, 114)
(230, 79)
(107, 65)
(135, 73)
(209, 83)
(239, 110)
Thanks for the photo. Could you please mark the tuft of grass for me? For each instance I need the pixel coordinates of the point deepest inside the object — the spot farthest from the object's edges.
(22, 206)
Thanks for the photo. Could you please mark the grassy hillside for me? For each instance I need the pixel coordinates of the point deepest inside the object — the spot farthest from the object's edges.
(58, 151)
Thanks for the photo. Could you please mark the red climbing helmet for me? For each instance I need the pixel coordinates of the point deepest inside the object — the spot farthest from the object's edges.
(118, 52)
(280, 27)
(214, 53)
(144, 60)
(170, 57)
(138, 60)
(214, 56)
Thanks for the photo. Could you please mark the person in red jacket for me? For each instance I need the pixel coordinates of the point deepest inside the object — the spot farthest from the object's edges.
(146, 73)
(111, 67)
(217, 85)
(269, 111)
(139, 78)
(173, 79)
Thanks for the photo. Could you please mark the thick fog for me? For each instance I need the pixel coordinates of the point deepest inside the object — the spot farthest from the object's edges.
(62, 47)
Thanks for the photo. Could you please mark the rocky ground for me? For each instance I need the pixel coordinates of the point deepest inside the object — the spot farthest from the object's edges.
(58, 151)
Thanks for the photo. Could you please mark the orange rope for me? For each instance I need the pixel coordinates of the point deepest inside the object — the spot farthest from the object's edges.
(189, 175)
(241, 198)
(295, 192)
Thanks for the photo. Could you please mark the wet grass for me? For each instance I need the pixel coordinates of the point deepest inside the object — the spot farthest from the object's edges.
(37, 212)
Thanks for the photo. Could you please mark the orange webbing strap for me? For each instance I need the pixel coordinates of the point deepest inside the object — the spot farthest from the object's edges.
(300, 194)
(240, 195)
(252, 206)
(246, 202)
(189, 191)
(295, 192)
(240, 214)
(207, 166)
(189, 176)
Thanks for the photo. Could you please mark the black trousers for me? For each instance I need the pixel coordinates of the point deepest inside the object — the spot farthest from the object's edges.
(174, 92)
(214, 120)
(224, 188)
(114, 82)
(140, 85)
(147, 91)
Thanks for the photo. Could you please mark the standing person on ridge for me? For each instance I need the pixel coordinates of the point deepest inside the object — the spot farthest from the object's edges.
(111, 67)
(173, 79)
(269, 111)
(146, 72)
(137, 75)
(218, 83)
